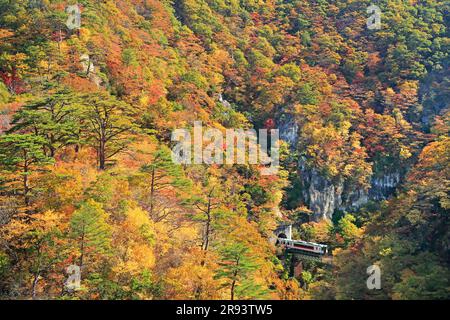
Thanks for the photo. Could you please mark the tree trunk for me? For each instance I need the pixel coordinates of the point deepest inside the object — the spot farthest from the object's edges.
(233, 285)
(35, 282)
(36, 276)
(82, 251)
(101, 155)
(26, 186)
(152, 192)
(208, 226)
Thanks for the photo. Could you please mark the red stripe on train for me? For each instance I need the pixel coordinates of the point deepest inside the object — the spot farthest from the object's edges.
(301, 247)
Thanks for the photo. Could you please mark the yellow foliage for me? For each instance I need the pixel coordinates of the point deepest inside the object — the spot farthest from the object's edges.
(134, 243)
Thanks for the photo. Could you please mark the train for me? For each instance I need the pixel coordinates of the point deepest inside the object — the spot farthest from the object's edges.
(304, 247)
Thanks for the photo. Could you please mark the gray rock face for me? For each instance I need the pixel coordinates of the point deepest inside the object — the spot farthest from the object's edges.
(354, 199)
(90, 70)
(383, 186)
(224, 102)
(288, 130)
(5, 120)
(323, 196)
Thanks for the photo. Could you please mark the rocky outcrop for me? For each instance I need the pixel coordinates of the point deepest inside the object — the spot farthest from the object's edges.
(288, 130)
(90, 70)
(320, 194)
(224, 102)
(5, 121)
(383, 186)
(324, 196)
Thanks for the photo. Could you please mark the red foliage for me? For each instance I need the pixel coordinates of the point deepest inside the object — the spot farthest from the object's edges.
(269, 124)
(12, 81)
(59, 36)
(156, 91)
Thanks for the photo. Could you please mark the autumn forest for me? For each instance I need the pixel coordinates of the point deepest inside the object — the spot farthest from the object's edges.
(94, 207)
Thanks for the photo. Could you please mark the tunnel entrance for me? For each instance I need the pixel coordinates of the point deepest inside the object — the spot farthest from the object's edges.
(280, 236)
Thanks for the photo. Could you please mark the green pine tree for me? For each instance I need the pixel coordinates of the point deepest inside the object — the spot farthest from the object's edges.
(162, 174)
(22, 154)
(107, 124)
(54, 118)
(236, 269)
(91, 230)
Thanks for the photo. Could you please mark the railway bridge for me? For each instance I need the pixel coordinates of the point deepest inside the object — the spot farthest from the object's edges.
(303, 250)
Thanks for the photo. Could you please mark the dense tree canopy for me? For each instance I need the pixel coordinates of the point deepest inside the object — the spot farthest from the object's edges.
(87, 178)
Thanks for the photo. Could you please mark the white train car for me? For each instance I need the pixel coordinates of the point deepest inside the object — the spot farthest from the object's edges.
(299, 246)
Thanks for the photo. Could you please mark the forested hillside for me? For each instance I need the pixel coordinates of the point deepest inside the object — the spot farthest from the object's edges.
(87, 177)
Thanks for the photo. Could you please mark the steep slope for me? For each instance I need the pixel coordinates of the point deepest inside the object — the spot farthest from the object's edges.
(86, 117)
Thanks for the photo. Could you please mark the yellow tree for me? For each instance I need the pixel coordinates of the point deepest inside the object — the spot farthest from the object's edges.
(134, 240)
(37, 249)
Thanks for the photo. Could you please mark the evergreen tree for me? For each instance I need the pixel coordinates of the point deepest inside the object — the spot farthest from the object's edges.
(22, 155)
(54, 118)
(236, 268)
(107, 125)
(91, 231)
(162, 175)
